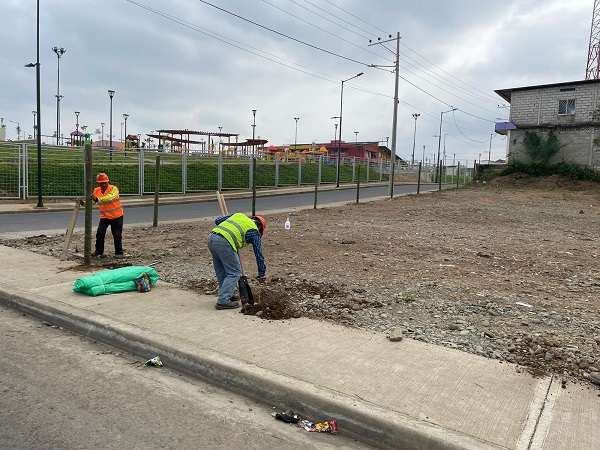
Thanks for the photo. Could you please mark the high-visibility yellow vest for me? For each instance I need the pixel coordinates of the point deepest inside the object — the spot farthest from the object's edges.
(234, 229)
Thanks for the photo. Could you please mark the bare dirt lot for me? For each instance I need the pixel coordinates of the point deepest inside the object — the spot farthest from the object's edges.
(506, 270)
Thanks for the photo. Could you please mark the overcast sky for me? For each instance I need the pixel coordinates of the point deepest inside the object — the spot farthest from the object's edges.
(181, 64)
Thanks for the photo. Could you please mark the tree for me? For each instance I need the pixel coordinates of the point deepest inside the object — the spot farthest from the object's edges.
(541, 150)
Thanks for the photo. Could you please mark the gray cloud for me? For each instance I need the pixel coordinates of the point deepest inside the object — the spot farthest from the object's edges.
(169, 74)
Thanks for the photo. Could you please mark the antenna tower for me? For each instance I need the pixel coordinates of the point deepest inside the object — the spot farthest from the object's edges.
(593, 63)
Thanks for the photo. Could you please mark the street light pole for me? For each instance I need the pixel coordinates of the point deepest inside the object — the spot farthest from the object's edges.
(34, 127)
(356, 136)
(220, 139)
(490, 151)
(111, 94)
(125, 116)
(423, 160)
(339, 156)
(102, 123)
(39, 111)
(439, 168)
(59, 52)
(296, 135)
(412, 161)
(253, 130)
(77, 126)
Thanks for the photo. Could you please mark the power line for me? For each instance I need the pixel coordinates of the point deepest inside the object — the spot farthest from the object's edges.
(283, 34)
(322, 29)
(474, 88)
(356, 17)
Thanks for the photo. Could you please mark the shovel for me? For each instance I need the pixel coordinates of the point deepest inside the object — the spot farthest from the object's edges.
(244, 288)
(243, 285)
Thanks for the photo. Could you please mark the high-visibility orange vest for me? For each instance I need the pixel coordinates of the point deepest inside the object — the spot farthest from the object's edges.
(111, 209)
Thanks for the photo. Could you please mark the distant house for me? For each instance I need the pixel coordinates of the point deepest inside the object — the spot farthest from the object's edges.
(566, 108)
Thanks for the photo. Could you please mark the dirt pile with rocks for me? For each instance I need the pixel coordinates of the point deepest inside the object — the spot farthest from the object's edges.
(507, 270)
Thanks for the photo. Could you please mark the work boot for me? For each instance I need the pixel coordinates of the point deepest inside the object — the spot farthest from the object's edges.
(119, 255)
(230, 305)
(234, 298)
(96, 254)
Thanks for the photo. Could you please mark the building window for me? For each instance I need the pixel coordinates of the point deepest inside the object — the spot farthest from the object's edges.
(566, 107)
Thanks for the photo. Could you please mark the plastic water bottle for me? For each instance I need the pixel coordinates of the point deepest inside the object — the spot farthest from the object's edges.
(287, 225)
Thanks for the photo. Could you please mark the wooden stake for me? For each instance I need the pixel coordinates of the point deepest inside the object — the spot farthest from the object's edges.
(63, 255)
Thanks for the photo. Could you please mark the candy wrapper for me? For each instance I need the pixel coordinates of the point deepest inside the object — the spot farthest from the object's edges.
(143, 283)
(154, 362)
(323, 427)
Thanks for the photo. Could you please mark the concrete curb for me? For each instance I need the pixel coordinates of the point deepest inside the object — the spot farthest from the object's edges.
(358, 419)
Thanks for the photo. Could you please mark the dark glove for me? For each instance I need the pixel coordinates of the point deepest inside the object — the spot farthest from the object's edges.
(261, 279)
(80, 201)
(93, 198)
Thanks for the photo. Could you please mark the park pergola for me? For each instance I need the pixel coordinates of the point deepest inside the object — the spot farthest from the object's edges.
(182, 139)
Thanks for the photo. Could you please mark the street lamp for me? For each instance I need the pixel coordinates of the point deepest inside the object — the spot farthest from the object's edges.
(39, 111)
(356, 136)
(423, 160)
(253, 130)
(34, 126)
(335, 130)
(59, 52)
(77, 125)
(412, 161)
(102, 123)
(296, 135)
(125, 116)
(220, 139)
(337, 178)
(111, 95)
(18, 127)
(439, 168)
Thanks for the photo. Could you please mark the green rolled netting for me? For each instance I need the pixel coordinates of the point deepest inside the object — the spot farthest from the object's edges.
(114, 281)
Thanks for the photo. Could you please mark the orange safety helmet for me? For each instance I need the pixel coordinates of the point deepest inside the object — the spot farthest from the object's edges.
(260, 223)
(102, 178)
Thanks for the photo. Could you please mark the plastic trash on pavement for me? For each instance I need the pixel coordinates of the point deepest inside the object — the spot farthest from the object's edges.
(154, 362)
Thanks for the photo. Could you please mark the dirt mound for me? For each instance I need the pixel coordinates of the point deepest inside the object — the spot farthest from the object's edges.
(549, 183)
(272, 304)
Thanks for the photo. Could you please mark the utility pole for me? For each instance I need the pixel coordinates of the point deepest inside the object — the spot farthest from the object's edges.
(395, 119)
(490, 151)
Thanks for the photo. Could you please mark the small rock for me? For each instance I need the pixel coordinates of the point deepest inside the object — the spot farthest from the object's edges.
(395, 335)
(594, 377)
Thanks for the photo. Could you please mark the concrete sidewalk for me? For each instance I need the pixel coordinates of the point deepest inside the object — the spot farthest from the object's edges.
(388, 394)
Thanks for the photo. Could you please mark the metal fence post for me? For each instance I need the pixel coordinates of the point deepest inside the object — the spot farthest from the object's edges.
(184, 167)
(251, 172)
(141, 174)
(220, 173)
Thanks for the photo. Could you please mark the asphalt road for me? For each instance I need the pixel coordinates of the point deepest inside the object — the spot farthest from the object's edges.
(59, 390)
(39, 222)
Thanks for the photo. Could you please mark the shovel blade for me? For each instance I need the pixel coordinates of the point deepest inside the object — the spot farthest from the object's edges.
(245, 292)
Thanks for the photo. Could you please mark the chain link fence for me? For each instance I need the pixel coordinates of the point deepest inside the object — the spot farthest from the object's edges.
(62, 171)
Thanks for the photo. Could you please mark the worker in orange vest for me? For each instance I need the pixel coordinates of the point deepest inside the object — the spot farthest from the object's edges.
(106, 196)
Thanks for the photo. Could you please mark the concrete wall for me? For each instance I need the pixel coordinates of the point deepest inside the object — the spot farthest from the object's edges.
(536, 110)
